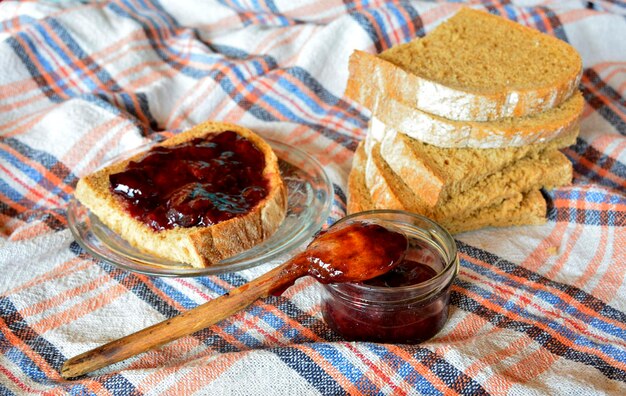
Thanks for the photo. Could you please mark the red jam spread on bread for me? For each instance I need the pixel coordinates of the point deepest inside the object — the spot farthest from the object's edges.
(198, 183)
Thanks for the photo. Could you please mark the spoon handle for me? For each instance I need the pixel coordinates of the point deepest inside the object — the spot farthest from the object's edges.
(185, 323)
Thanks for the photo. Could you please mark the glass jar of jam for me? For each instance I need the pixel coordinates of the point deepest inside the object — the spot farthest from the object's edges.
(407, 305)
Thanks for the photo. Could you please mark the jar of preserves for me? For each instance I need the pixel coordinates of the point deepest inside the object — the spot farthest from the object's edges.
(409, 304)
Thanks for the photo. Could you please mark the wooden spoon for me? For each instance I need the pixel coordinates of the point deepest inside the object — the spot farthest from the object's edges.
(350, 252)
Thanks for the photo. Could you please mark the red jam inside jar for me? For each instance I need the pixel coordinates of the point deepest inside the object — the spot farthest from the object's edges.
(197, 183)
(408, 304)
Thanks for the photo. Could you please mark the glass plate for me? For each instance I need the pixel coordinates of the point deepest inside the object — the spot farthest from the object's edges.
(310, 195)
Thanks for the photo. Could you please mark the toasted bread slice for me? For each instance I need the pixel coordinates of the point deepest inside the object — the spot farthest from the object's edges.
(522, 209)
(442, 132)
(440, 173)
(197, 246)
(473, 67)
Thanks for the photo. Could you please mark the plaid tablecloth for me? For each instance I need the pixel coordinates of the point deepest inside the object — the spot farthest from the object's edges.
(535, 310)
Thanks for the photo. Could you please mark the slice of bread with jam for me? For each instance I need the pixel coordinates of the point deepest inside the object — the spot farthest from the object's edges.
(197, 198)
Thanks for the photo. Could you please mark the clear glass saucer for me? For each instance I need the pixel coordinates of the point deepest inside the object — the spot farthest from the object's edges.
(310, 195)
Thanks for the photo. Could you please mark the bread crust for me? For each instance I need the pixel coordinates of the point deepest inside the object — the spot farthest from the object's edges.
(443, 132)
(389, 80)
(196, 246)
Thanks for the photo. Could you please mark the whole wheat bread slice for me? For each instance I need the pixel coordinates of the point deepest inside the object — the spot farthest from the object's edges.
(442, 132)
(440, 173)
(473, 67)
(523, 209)
(197, 246)
(550, 169)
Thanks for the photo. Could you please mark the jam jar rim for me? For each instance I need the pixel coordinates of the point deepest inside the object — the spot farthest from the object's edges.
(452, 260)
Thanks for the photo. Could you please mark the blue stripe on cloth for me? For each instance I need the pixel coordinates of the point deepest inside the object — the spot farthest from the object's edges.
(45, 63)
(20, 328)
(555, 23)
(80, 72)
(544, 339)
(33, 71)
(157, 10)
(45, 159)
(352, 117)
(118, 385)
(179, 297)
(25, 364)
(382, 25)
(305, 320)
(103, 76)
(451, 376)
(557, 302)
(510, 12)
(346, 367)
(416, 20)
(241, 333)
(592, 155)
(132, 282)
(275, 321)
(22, 20)
(154, 43)
(5, 391)
(308, 369)
(401, 21)
(515, 270)
(213, 286)
(592, 217)
(368, 27)
(600, 104)
(80, 390)
(14, 195)
(284, 21)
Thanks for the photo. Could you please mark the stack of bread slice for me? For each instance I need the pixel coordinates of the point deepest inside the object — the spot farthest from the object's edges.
(467, 123)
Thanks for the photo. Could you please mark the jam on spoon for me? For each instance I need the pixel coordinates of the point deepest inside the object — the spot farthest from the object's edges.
(350, 252)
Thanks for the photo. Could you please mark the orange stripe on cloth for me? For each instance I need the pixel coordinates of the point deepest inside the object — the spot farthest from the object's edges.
(58, 299)
(47, 174)
(538, 258)
(38, 360)
(329, 369)
(80, 309)
(32, 192)
(302, 330)
(202, 374)
(380, 374)
(530, 367)
(498, 382)
(564, 256)
(12, 378)
(60, 271)
(613, 279)
(28, 121)
(610, 103)
(169, 358)
(29, 231)
(591, 269)
(81, 147)
(527, 298)
(421, 368)
(545, 328)
(578, 324)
